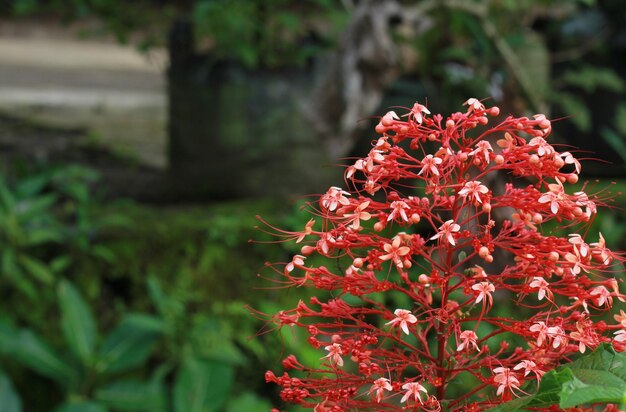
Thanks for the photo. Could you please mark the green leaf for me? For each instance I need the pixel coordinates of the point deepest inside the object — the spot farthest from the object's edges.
(35, 208)
(77, 322)
(512, 406)
(576, 393)
(620, 118)
(32, 185)
(573, 106)
(590, 78)
(36, 268)
(617, 142)
(158, 297)
(462, 256)
(9, 399)
(42, 236)
(15, 274)
(6, 197)
(249, 402)
(60, 263)
(81, 407)
(550, 387)
(29, 350)
(129, 344)
(132, 395)
(599, 377)
(7, 333)
(202, 386)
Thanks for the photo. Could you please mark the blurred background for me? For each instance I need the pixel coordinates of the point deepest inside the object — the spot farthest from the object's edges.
(138, 140)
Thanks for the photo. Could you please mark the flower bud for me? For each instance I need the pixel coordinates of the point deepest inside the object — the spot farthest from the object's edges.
(415, 218)
(494, 111)
(572, 178)
(483, 252)
(307, 250)
(499, 159)
(357, 263)
(449, 123)
(558, 162)
(486, 207)
(423, 279)
(378, 226)
(553, 256)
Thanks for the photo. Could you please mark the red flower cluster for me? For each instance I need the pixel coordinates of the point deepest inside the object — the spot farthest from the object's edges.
(428, 245)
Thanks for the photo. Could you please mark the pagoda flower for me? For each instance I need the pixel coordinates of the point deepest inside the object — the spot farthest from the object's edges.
(416, 112)
(334, 197)
(483, 148)
(308, 229)
(541, 329)
(334, 354)
(582, 199)
(296, 262)
(484, 289)
(544, 123)
(474, 104)
(429, 165)
(403, 318)
(601, 296)
(615, 288)
(554, 196)
(472, 190)
(505, 379)
(571, 160)
(558, 336)
(529, 367)
(358, 215)
(395, 252)
(389, 118)
(448, 165)
(585, 336)
(543, 147)
(446, 231)
(413, 389)
(398, 209)
(575, 260)
(579, 243)
(379, 386)
(601, 252)
(468, 339)
(543, 288)
(507, 143)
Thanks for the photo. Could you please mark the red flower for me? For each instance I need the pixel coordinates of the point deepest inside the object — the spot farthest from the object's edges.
(413, 194)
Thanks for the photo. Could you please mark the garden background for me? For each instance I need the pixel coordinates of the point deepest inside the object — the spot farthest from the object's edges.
(139, 140)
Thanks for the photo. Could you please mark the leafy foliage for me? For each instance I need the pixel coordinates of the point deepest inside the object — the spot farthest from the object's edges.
(120, 343)
(83, 371)
(267, 33)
